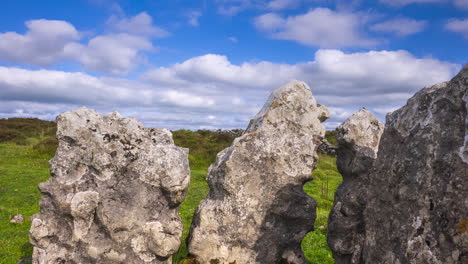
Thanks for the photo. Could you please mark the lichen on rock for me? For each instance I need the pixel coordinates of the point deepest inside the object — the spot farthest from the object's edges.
(419, 186)
(256, 210)
(113, 193)
(358, 140)
(416, 193)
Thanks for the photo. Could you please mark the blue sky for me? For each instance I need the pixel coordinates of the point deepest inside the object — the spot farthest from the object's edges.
(212, 63)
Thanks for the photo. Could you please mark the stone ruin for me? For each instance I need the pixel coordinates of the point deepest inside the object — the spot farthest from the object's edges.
(113, 194)
(408, 204)
(257, 211)
(116, 185)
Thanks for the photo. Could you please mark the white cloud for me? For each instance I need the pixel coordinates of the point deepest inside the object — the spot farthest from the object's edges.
(269, 22)
(185, 94)
(379, 80)
(458, 26)
(233, 7)
(140, 24)
(233, 39)
(283, 4)
(408, 2)
(400, 26)
(461, 4)
(320, 27)
(63, 87)
(216, 70)
(193, 17)
(43, 44)
(115, 54)
(49, 42)
(185, 99)
(45, 93)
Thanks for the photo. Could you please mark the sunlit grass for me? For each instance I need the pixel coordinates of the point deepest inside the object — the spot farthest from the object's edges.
(22, 168)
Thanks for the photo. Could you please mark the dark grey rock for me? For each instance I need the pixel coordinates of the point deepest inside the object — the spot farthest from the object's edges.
(358, 140)
(326, 148)
(417, 193)
(24, 260)
(419, 187)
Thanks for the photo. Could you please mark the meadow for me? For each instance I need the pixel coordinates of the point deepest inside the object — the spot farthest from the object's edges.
(26, 145)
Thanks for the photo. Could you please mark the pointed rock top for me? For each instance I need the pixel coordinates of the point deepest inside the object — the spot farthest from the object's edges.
(362, 129)
(293, 102)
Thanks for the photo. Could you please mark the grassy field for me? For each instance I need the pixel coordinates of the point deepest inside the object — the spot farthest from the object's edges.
(21, 169)
(23, 164)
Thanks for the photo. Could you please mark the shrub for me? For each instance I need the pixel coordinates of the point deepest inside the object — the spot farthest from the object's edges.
(203, 144)
(46, 147)
(11, 135)
(29, 127)
(330, 135)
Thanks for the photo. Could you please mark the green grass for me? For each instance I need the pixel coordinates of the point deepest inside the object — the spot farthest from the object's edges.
(21, 169)
(198, 189)
(23, 165)
(322, 189)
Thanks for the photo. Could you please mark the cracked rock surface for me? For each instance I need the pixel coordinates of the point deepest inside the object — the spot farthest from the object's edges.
(256, 210)
(417, 188)
(113, 193)
(358, 141)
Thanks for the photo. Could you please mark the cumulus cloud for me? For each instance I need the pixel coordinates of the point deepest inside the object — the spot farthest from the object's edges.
(379, 80)
(400, 26)
(233, 7)
(47, 86)
(49, 42)
(46, 93)
(319, 27)
(407, 2)
(186, 94)
(115, 54)
(461, 4)
(140, 24)
(43, 44)
(193, 17)
(283, 4)
(458, 26)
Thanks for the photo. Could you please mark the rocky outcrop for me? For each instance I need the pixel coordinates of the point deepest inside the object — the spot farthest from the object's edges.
(419, 188)
(256, 210)
(417, 193)
(113, 193)
(358, 140)
(326, 148)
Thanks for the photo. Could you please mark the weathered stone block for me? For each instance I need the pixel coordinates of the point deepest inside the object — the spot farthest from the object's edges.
(113, 193)
(256, 210)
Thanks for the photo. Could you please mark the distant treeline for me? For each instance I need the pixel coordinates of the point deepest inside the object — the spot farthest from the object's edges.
(18, 130)
(203, 144)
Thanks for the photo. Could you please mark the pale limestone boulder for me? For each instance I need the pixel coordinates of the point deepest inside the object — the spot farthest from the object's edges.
(113, 193)
(256, 210)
